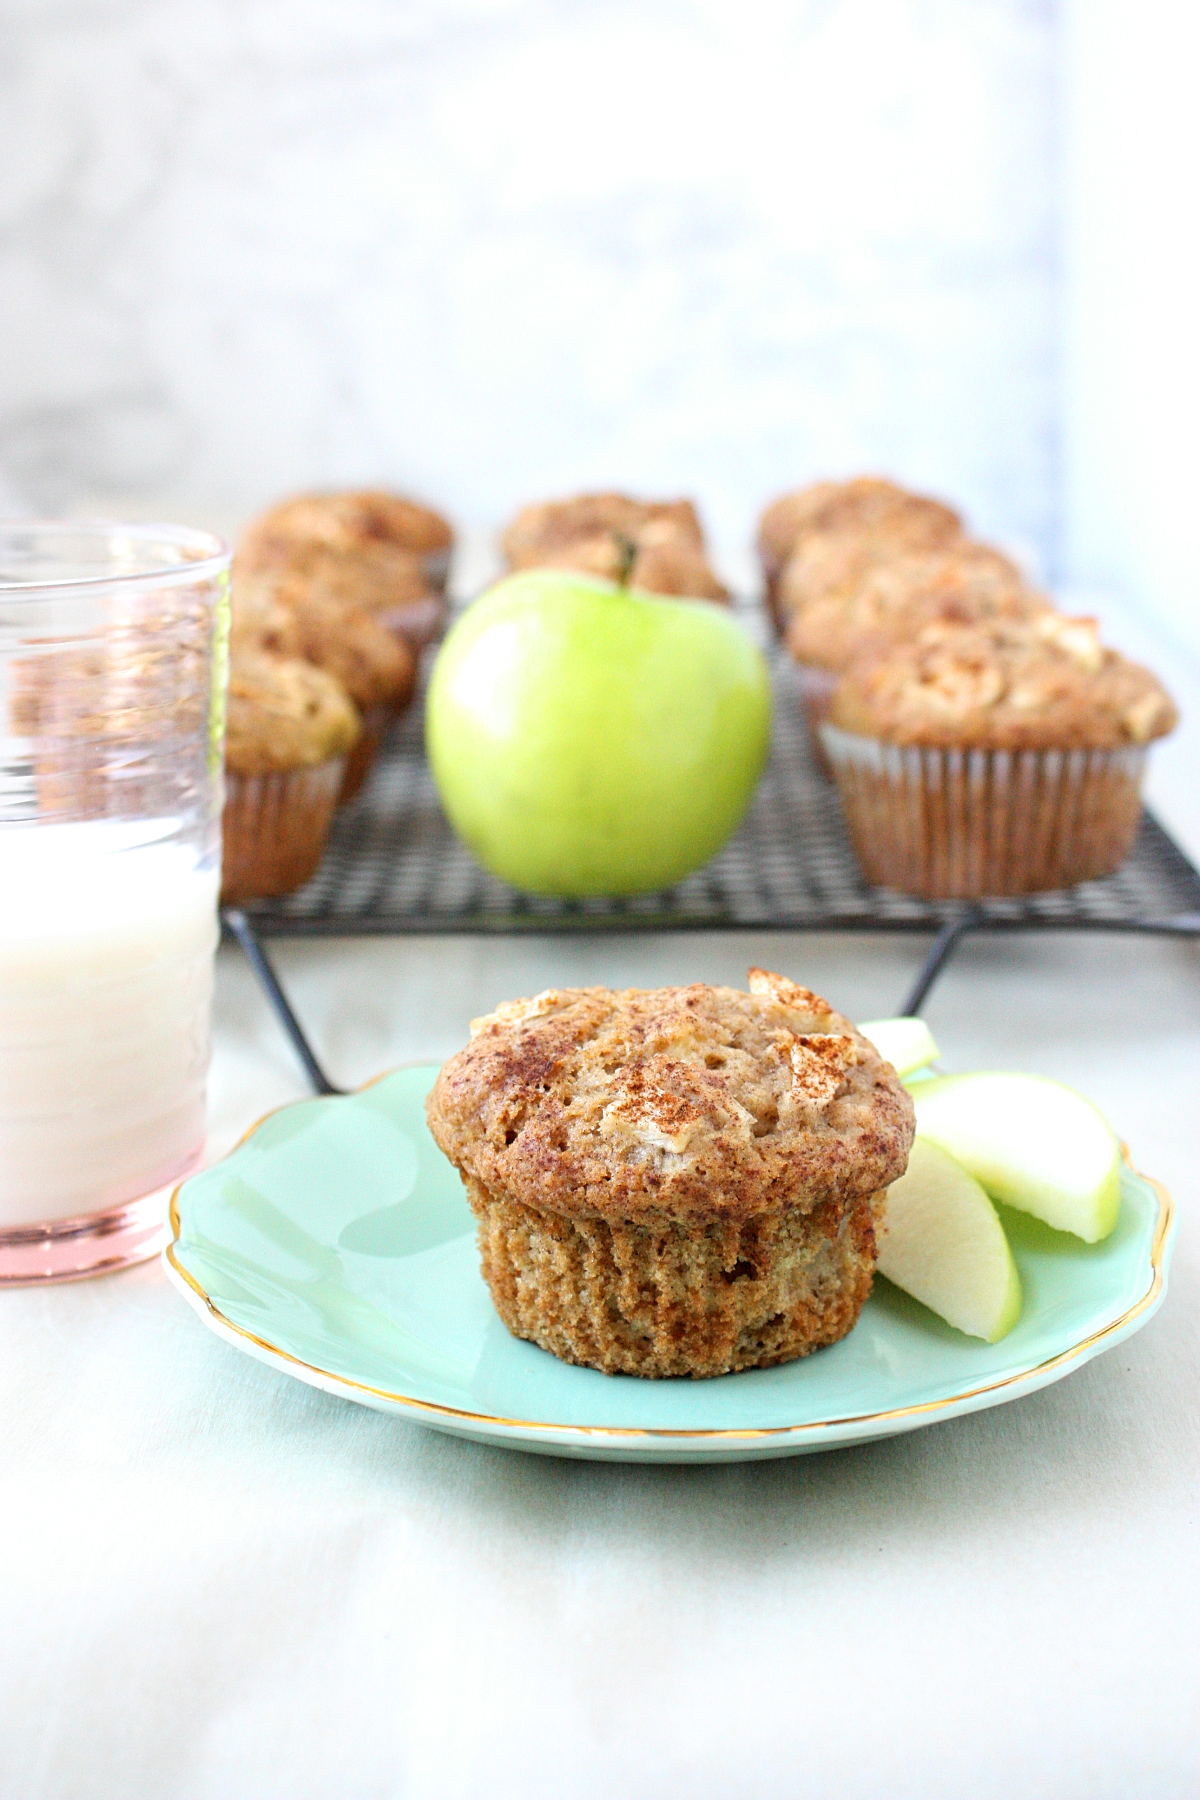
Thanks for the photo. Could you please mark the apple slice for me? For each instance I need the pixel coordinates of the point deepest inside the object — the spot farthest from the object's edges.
(906, 1043)
(940, 1240)
(1032, 1143)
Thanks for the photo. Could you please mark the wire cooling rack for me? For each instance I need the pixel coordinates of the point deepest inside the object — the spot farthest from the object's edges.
(393, 867)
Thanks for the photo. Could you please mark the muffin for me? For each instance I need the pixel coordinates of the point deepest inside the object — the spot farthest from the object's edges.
(289, 729)
(678, 1181)
(350, 521)
(852, 600)
(868, 511)
(657, 546)
(993, 758)
(378, 552)
(376, 669)
(550, 524)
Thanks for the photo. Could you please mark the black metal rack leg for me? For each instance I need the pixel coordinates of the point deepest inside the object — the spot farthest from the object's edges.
(941, 950)
(239, 927)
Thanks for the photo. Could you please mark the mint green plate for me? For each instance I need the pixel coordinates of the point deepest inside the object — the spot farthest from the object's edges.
(335, 1244)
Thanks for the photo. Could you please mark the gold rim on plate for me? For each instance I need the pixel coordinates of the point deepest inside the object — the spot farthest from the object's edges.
(1162, 1227)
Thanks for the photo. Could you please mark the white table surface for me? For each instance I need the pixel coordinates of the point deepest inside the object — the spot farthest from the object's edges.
(220, 1582)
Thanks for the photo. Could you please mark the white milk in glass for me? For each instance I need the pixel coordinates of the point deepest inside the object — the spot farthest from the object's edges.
(106, 967)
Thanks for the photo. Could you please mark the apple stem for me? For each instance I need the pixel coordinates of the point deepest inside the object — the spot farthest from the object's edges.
(628, 549)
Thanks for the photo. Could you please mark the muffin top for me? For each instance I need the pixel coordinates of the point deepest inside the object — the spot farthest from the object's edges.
(698, 1103)
(259, 621)
(893, 598)
(549, 526)
(673, 568)
(657, 546)
(669, 563)
(282, 713)
(349, 521)
(373, 666)
(376, 577)
(286, 618)
(1045, 683)
(868, 505)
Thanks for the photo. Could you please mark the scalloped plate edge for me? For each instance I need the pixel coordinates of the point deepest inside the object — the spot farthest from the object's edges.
(659, 1444)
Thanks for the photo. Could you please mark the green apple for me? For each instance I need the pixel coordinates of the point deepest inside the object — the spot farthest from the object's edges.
(906, 1043)
(589, 739)
(941, 1241)
(1034, 1144)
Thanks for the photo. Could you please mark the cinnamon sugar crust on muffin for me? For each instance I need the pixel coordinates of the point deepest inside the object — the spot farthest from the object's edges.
(389, 583)
(674, 1182)
(657, 546)
(1046, 683)
(282, 713)
(674, 568)
(837, 602)
(374, 667)
(344, 521)
(259, 622)
(375, 577)
(551, 524)
(705, 1102)
(868, 506)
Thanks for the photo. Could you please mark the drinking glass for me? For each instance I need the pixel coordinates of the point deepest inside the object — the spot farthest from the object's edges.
(113, 658)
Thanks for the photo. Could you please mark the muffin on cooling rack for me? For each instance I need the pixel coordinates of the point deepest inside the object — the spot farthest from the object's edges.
(377, 670)
(1000, 757)
(864, 519)
(854, 600)
(350, 520)
(677, 1181)
(654, 545)
(380, 552)
(289, 730)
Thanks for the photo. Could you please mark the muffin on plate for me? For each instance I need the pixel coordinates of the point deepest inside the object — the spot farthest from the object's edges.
(289, 729)
(654, 545)
(1000, 757)
(377, 670)
(676, 1181)
(874, 515)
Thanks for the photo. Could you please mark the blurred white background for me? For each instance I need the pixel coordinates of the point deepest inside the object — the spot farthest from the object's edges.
(492, 249)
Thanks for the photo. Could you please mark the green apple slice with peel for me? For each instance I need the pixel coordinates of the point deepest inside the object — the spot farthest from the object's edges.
(941, 1241)
(1032, 1143)
(906, 1043)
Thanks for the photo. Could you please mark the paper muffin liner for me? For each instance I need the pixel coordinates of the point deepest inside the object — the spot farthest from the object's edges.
(274, 829)
(363, 756)
(963, 824)
(661, 1298)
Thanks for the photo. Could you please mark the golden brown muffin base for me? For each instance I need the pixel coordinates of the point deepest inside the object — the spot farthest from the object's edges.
(658, 1298)
(274, 829)
(963, 824)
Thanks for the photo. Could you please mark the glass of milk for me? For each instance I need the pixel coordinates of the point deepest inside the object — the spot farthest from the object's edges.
(113, 652)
